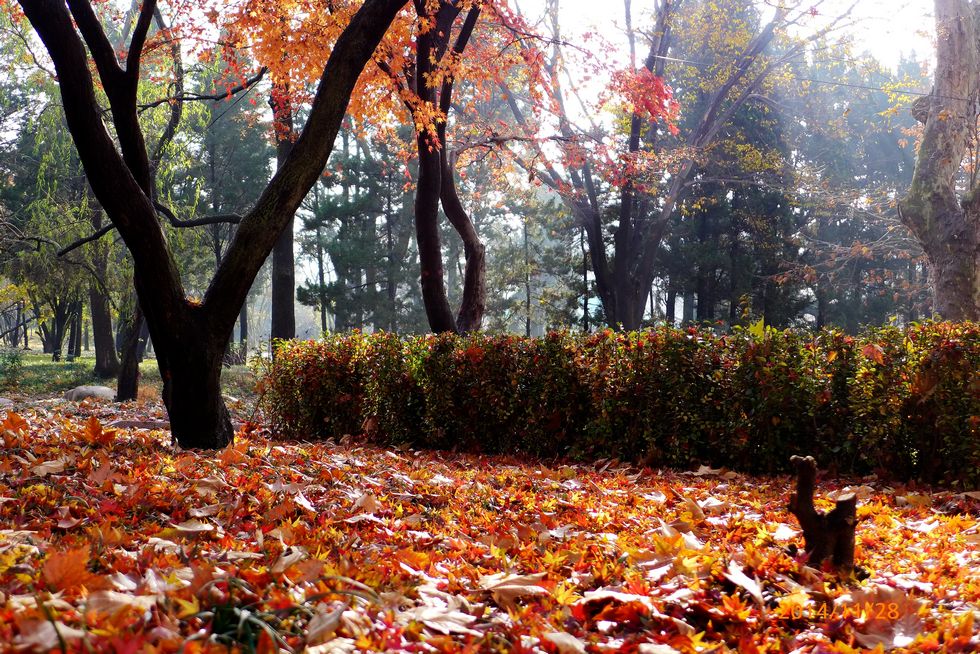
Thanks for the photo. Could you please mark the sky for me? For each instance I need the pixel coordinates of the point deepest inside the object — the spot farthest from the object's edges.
(887, 29)
(892, 28)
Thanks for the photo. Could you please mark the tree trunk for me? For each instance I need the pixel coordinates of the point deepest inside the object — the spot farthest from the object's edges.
(72, 330)
(75, 331)
(430, 47)
(192, 388)
(283, 261)
(436, 183)
(243, 326)
(474, 301)
(106, 362)
(128, 383)
(948, 227)
(687, 314)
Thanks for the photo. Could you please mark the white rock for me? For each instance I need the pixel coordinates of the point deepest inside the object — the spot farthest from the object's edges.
(80, 393)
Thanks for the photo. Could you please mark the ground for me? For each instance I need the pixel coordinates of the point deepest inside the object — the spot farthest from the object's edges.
(113, 541)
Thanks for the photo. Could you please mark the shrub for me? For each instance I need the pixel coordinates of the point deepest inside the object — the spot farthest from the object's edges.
(902, 402)
(11, 365)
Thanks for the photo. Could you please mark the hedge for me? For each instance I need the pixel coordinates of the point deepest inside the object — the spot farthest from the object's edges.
(904, 403)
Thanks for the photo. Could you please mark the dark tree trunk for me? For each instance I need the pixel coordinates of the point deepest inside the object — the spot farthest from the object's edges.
(70, 330)
(243, 326)
(106, 362)
(143, 341)
(585, 281)
(826, 535)
(687, 314)
(53, 331)
(822, 304)
(128, 383)
(474, 300)
(671, 310)
(430, 47)
(192, 388)
(74, 331)
(283, 263)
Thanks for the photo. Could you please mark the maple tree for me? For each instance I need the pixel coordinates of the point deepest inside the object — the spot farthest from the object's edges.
(625, 186)
(112, 542)
(190, 336)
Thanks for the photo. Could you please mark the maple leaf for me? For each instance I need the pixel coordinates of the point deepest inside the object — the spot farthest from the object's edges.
(506, 588)
(111, 602)
(68, 571)
(874, 352)
(93, 433)
(736, 575)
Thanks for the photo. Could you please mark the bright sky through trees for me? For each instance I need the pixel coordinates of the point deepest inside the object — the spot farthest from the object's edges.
(888, 29)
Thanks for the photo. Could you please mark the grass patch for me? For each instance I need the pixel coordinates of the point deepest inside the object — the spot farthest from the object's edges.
(38, 376)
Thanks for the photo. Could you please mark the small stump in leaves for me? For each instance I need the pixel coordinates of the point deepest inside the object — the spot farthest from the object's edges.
(826, 535)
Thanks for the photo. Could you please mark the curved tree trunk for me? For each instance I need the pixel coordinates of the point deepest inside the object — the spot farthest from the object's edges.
(945, 224)
(437, 183)
(189, 337)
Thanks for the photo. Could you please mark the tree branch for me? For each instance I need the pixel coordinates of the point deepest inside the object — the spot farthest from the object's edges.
(199, 97)
(135, 53)
(74, 245)
(229, 218)
(95, 38)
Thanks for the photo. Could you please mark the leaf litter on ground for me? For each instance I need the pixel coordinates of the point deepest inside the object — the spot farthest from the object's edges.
(111, 540)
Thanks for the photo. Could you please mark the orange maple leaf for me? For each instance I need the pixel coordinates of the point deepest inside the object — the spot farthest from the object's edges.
(68, 571)
(95, 435)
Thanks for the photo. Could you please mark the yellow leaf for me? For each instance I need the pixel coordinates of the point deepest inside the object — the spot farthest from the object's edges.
(188, 607)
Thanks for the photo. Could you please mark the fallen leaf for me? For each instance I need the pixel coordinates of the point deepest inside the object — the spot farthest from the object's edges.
(565, 642)
(506, 588)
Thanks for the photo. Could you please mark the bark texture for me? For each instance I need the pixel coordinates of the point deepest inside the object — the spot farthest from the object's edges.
(826, 535)
(945, 221)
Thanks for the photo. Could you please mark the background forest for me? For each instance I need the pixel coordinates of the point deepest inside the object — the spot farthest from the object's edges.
(775, 199)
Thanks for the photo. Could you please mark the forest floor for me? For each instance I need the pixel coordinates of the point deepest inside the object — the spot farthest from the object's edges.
(114, 541)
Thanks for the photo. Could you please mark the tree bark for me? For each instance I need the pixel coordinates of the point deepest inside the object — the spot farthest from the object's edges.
(243, 326)
(188, 336)
(945, 224)
(826, 535)
(128, 383)
(283, 259)
(106, 362)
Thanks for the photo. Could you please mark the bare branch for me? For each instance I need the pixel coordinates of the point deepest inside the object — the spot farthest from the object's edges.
(82, 241)
(228, 218)
(215, 97)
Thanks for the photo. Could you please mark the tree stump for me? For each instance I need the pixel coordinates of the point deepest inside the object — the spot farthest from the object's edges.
(825, 535)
